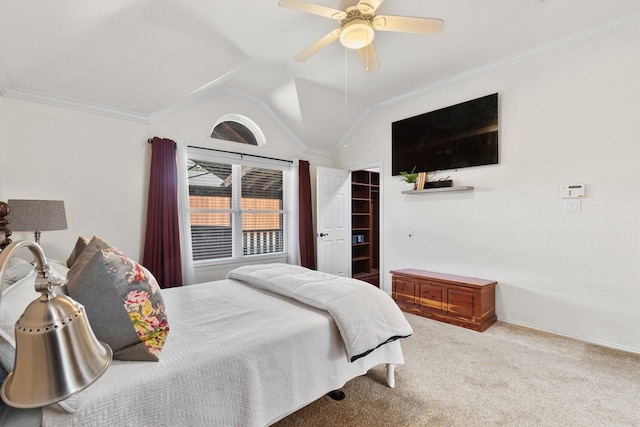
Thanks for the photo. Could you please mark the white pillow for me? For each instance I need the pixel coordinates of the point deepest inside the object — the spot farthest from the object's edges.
(16, 270)
(7, 354)
(15, 300)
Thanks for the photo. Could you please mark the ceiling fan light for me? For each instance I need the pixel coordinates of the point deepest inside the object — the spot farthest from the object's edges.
(356, 34)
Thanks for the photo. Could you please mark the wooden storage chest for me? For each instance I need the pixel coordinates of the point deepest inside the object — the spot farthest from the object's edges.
(459, 300)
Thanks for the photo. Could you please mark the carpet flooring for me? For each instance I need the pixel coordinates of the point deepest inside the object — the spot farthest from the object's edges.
(506, 376)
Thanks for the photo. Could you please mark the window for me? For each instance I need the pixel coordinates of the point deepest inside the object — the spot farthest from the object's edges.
(237, 128)
(236, 205)
(234, 131)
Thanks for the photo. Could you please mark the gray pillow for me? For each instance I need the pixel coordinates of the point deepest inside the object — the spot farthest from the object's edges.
(122, 300)
(80, 245)
(95, 244)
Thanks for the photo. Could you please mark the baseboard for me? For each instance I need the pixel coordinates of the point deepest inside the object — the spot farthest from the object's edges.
(577, 338)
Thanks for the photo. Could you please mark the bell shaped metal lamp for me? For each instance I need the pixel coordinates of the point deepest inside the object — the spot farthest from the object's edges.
(57, 354)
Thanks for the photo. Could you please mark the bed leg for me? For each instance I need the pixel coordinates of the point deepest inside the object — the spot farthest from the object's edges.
(336, 394)
(391, 374)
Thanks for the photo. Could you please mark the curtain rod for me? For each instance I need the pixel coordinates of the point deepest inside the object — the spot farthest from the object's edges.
(240, 154)
(175, 146)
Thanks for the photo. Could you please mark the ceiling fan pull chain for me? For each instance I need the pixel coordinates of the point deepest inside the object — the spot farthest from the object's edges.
(346, 119)
(369, 39)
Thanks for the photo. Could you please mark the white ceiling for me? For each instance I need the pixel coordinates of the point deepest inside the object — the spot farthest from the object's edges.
(142, 59)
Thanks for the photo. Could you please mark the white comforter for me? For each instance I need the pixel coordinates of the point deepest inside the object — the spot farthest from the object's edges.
(366, 316)
(236, 356)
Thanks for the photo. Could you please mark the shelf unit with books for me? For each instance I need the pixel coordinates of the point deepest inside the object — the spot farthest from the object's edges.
(365, 190)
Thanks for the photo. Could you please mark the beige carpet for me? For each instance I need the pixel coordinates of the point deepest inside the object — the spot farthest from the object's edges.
(505, 376)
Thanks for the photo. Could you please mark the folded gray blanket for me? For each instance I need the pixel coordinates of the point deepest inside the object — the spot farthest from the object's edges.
(366, 316)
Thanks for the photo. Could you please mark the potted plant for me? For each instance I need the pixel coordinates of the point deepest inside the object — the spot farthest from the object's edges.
(409, 178)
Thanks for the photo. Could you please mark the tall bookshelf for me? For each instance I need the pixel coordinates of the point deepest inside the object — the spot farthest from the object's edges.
(365, 250)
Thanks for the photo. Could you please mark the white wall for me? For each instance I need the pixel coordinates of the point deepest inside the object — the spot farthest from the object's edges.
(570, 115)
(95, 164)
(99, 165)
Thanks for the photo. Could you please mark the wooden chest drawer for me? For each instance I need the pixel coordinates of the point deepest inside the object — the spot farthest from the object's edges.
(460, 303)
(431, 297)
(404, 293)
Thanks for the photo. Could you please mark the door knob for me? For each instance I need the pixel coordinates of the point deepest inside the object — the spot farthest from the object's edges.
(322, 234)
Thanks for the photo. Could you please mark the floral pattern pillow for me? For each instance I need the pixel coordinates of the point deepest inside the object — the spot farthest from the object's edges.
(122, 300)
(145, 306)
(82, 254)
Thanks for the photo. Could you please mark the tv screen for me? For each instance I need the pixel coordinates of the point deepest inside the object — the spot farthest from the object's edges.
(459, 136)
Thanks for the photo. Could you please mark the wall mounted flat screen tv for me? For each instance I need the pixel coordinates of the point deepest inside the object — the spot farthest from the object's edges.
(459, 136)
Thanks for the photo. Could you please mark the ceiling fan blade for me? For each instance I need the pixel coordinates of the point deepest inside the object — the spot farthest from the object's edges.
(369, 7)
(313, 8)
(369, 58)
(407, 24)
(320, 44)
(344, 4)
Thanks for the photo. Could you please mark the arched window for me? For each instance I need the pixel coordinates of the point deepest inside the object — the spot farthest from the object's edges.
(237, 128)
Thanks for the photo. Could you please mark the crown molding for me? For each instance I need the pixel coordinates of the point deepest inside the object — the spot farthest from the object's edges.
(77, 105)
(351, 130)
(4, 82)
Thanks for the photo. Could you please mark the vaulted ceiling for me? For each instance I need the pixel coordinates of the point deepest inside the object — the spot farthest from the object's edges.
(143, 59)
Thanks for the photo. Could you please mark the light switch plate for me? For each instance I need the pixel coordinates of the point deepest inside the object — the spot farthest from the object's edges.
(573, 206)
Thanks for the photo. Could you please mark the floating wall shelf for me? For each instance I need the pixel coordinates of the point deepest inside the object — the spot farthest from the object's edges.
(440, 189)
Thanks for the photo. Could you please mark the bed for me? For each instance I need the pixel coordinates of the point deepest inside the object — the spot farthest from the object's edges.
(238, 354)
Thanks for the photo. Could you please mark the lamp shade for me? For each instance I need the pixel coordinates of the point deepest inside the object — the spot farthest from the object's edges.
(57, 354)
(355, 34)
(36, 215)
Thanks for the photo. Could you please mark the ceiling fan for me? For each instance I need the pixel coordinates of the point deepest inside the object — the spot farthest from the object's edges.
(357, 25)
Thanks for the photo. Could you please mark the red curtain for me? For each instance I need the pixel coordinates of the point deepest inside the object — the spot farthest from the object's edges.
(305, 231)
(162, 239)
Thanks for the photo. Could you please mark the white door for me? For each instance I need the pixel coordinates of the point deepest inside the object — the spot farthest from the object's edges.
(333, 224)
